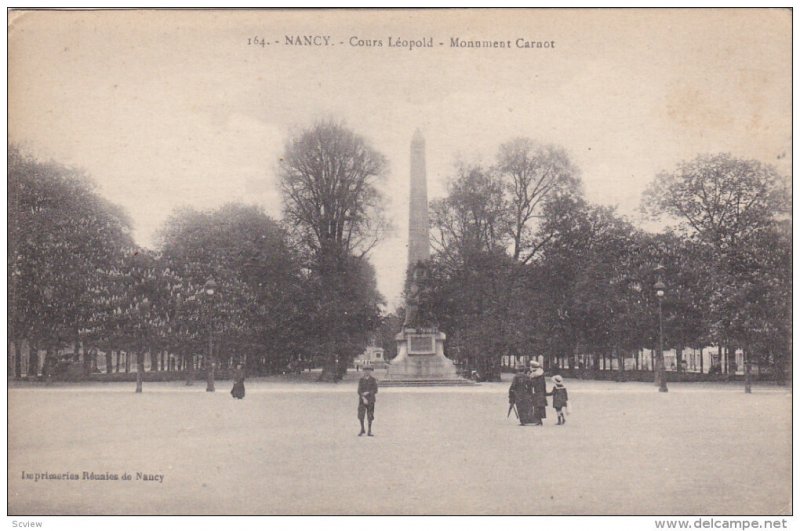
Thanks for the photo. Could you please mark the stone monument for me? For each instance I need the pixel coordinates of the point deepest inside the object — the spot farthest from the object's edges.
(420, 356)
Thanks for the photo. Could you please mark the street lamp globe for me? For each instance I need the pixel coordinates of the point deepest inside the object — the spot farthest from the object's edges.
(210, 286)
(659, 287)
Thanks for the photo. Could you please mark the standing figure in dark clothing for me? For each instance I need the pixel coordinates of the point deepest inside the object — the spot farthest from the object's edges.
(367, 389)
(539, 393)
(560, 397)
(238, 382)
(519, 396)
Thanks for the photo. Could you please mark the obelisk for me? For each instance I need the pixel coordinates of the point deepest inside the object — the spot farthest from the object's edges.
(418, 243)
(420, 356)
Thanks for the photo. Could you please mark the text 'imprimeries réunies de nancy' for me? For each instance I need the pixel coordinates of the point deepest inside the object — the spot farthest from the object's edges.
(91, 476)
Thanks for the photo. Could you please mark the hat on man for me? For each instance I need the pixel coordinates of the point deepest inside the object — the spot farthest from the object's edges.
(521, 368)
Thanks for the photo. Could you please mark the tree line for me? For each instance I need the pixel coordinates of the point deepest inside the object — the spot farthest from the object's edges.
(525, 266)
(222, 287)
(522, 265)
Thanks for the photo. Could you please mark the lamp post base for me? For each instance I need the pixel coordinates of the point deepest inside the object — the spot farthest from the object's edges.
(210, 379)
(661, 377)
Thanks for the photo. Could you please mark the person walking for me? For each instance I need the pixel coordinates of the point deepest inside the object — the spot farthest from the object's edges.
(238, 382)
(560, 397)
(367, 389)
(539, 388)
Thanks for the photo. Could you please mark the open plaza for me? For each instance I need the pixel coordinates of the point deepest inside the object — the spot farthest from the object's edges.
(288, 201)
(291, 447)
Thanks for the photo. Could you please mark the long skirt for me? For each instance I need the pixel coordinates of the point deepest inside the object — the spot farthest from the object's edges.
(539, 413)
(525, 410)
(238, 390)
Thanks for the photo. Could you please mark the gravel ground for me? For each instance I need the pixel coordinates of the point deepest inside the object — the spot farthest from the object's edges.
(291, 448)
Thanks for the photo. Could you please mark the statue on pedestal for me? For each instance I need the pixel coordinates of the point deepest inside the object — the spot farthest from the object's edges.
(417, 313)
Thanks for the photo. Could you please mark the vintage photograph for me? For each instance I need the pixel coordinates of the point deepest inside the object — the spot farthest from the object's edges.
(400, 262)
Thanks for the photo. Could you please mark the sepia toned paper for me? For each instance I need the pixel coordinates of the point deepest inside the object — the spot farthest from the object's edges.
(165, 109)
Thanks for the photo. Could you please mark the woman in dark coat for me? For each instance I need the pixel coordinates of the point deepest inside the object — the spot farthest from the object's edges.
(519, 395)
(238, 382)
(539, 393)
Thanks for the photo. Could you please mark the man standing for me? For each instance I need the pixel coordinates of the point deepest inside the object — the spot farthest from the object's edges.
(367, 389)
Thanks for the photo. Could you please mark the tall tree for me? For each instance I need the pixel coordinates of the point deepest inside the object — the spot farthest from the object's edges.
(62, 237)
(532, 174)
(730, 206)
(471, 276)
(257, 306)
(724, 201)
(473, 217)
(329, 178)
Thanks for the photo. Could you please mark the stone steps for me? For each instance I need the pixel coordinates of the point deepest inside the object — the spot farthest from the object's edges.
(425, 383)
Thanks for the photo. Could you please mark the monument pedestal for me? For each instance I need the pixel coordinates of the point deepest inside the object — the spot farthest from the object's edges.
(421, 361)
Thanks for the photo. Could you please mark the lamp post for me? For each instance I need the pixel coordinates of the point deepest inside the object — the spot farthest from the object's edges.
(47, 364)
(209, 289)
(141, 314)
(660, 288)
(188, 356)
(748, 378)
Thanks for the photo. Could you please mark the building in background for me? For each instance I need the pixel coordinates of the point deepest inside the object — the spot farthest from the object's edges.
(373, 355)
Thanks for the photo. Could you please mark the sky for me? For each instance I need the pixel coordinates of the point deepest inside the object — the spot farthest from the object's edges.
(165, 109)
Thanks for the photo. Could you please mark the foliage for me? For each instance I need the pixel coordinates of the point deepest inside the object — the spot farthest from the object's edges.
(532, 176)
(64, 240)
(257, 305)
(328, 178)
(724, 201)
(523, 265)
(734, 211)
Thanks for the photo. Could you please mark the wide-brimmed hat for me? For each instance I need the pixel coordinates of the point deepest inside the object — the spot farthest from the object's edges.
(535, 364)
(557, 379)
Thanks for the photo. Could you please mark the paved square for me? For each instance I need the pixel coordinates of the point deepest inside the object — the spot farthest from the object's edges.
(291, 448)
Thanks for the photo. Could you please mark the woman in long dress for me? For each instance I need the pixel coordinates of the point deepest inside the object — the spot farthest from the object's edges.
(238, 382)
(539, 393)
(519, 396)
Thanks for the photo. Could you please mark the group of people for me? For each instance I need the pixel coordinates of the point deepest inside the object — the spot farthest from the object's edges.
(528, 395)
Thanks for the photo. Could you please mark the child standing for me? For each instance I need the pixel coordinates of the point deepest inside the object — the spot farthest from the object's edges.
(559, 394)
